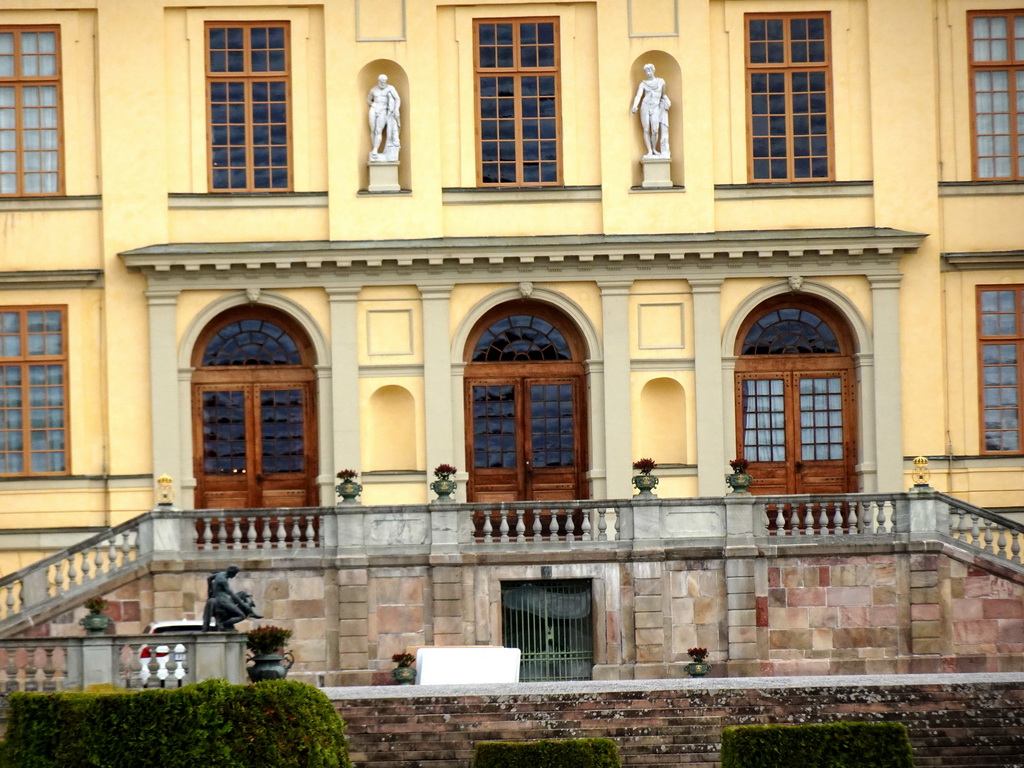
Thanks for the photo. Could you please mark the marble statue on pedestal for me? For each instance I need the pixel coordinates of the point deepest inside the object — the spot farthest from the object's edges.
(653, 105)
(385, 120)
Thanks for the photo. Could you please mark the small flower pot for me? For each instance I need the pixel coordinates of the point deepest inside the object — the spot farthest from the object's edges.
(404, 675)
(348, 490)
(698, 668)
(444, 489)
(645, 482)
(270, 666)
(95, 623)
(739, 481)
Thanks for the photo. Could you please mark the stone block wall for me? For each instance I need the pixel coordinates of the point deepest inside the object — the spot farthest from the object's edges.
(954, 721)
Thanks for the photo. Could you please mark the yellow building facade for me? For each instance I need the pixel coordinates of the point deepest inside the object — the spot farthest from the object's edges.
(204, 274)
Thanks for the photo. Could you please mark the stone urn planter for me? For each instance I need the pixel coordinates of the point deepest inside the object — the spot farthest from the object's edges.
(698, 667)
(268, 660)
(739, 481)
(270, 666)
(444, 486)
(95, 622)
(348, 488)
(645, 482)
(404, 673)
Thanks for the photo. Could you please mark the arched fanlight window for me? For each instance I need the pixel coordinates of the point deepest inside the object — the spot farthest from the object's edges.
(521, 338)
(251, 342)
(790, 331)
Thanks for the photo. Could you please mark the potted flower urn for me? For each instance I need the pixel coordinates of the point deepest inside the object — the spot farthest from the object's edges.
(348, 488)
(444, 486)
(698, 667)
(266, 652)
(404, 673)
(739, 480)
(96, 622)
(645, 482)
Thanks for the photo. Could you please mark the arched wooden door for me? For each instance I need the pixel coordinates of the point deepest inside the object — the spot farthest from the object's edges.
(253, 413)
(796, 399)
(525, 406)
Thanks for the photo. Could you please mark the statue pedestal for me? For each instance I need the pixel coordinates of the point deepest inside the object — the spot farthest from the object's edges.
(657, 172)
(383, 176)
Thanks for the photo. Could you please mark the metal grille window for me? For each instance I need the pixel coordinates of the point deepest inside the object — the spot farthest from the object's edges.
(30, 111)
(33, 396)
(550, 622)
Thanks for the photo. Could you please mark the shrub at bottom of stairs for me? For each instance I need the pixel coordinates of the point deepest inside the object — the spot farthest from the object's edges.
(273, 724)
(570, 753)
(832, 745)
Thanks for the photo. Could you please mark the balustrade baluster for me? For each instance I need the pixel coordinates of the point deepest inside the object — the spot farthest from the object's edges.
(57, 577)
(86, 567)
(207, 533)
(112, 553)
(222, 532)
(31, 683)
(236, 533)
(520, 525)
(127, 544)
(1001, 542)
(10, 602)
(250, 532)
(503, 528)
(988, 537)
(49, 671)
(880, 519)
(11, 671)
(538, 526)
(280, 543)
(602, 524)
(586, 525)
(296, 533)
(1015, 546)
(570, 525)
(975, 530)
(311, 532)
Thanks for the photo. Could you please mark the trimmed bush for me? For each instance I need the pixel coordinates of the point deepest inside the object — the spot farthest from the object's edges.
(570, 753)
(831, 745)
(273, 724)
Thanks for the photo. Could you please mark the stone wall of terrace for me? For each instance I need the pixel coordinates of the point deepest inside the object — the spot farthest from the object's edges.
(954, 721)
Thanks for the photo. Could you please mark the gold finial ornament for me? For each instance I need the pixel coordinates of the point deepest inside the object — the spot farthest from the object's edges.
(921, 473)
(165, 490)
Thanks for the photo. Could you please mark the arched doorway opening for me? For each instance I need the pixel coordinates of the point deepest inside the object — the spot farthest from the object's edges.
(525, 399)
(796, 398)
(254, 412)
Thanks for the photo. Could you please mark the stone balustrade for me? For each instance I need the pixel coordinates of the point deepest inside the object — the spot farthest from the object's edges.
(164, 535)
(125, 661)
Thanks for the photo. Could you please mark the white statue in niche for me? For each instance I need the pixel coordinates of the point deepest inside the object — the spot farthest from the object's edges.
(653, 105)
(385, 120)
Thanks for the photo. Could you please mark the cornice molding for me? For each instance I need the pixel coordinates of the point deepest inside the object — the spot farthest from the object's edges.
(53, 278)
(982, 260)
(740, 253)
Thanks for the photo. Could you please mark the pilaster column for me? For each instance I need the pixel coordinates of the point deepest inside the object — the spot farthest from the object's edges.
(163, 385)
(710, 396)
(437, 379)
(344, 404)
(618, 418)
(888, 414)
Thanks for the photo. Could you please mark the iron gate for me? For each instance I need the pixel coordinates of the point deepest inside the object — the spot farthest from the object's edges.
(550, 622)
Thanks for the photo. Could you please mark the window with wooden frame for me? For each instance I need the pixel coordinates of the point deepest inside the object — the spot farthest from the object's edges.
(997, 94)
(30, 140)
(247, 73)
(789, 103)
(517, 85)
(1001, 366)
(33, 391)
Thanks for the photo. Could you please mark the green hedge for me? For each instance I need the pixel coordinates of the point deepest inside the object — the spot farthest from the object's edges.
(570, 753)
(274, 724)
(832, 745)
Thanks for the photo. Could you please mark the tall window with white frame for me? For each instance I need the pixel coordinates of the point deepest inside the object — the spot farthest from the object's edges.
(997, 85)
(789, 102)
(516, 64)
(33, 391)
(1001, 365)
(30, 152)
(247, 72)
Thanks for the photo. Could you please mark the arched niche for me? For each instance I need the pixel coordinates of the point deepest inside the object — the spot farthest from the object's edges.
(367, 79)
(667, 68)
(390, 429)
(662, 421)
